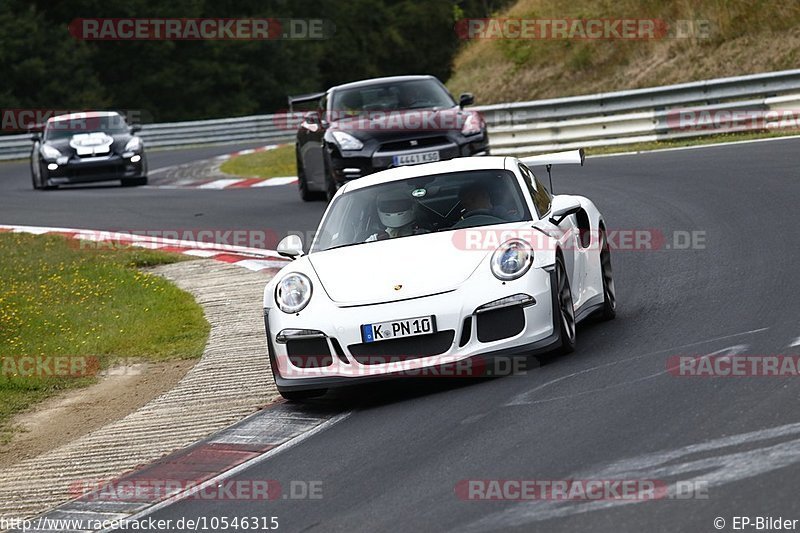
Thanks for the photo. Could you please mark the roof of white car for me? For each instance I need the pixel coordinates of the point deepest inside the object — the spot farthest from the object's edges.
(459, 164)
(84, 114)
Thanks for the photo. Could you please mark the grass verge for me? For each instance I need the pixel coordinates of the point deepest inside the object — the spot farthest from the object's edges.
(277, 162)
(57, 300)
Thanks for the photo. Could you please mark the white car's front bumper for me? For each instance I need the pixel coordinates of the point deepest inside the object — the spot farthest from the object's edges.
(331, 351)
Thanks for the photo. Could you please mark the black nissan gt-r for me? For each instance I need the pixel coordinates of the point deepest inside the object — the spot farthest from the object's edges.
(87, 147)
(371, 125)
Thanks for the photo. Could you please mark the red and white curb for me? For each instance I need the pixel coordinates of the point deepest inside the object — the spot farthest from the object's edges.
(224, 183)
(233, 183)
(253, 259)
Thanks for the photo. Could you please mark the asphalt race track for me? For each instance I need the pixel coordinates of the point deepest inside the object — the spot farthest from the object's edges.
(609, 411)
(108, 206)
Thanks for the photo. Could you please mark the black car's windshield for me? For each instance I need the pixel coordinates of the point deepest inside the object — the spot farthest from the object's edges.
(391, 96)
(66, 128)
(425, 204)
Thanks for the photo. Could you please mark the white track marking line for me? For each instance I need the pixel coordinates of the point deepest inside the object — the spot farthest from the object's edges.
(283, 180)
(522, 398)
(724, 353)
(717, 468)
(220, 184)
(236, 470)
(160, 170)
(696, 147)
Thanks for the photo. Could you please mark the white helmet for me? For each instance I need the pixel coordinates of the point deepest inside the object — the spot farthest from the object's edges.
(395, 209)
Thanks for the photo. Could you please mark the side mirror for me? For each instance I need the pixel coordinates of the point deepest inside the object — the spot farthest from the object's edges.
(466, 99)
(312, 117)
(35, 137)
(136, 128)
(291, 246)
(563, 206)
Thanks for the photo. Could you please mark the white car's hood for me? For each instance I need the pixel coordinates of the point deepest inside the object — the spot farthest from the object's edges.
(420, 265)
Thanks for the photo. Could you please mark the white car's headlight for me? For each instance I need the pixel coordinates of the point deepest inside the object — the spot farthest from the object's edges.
(511, 260)
(48, 152)
(134, 144)
(293, 292)
(347, 141)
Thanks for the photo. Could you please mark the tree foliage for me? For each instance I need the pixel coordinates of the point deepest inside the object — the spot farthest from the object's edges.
(45, 67)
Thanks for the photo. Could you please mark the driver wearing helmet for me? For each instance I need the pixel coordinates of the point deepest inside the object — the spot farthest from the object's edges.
(396, 213)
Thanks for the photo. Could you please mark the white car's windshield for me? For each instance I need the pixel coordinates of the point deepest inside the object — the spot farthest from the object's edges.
(423, 204)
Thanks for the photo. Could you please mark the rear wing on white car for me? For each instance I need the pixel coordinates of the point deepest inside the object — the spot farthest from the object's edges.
(571, 157)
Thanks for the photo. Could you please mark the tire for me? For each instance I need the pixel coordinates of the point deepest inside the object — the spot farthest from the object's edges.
(297, 396)
(34, 179)
(566, 309)
(330, 184)
(40, 179)
(134, 182)
(609, 291)
(306, 194)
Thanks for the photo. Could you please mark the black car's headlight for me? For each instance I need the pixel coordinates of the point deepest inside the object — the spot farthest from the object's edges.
(347, 141)
(134, 144)
(293, 292)
(48, 152)
(473, 123)
(511, 260)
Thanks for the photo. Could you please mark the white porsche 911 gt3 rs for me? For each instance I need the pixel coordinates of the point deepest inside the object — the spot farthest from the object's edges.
(421, 266)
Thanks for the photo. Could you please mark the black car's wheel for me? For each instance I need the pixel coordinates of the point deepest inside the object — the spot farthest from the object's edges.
(609, 292)
(566, 309)
(39, 178)
(36, 176)
(330, 183)
(134, 182)
(296, 396)
(306, 194)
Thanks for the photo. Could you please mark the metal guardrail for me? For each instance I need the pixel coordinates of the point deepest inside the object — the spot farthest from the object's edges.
(276, 128)
(639, 115)
(524, 128)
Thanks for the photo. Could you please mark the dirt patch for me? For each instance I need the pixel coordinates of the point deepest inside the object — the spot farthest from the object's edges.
(75, 413)
(745, 38)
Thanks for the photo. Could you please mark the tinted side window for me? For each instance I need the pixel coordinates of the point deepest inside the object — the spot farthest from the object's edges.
(541, 198)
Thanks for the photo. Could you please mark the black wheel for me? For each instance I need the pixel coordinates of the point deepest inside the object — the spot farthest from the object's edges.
(330, 184)
(36, 176)
(134, 182)
(296, 396)
(306, 194)
(609, 292)
(39, 178)
(566, 309)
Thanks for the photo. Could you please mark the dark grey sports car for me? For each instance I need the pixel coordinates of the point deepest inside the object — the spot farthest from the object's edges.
(87, 147)
(371, 125)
